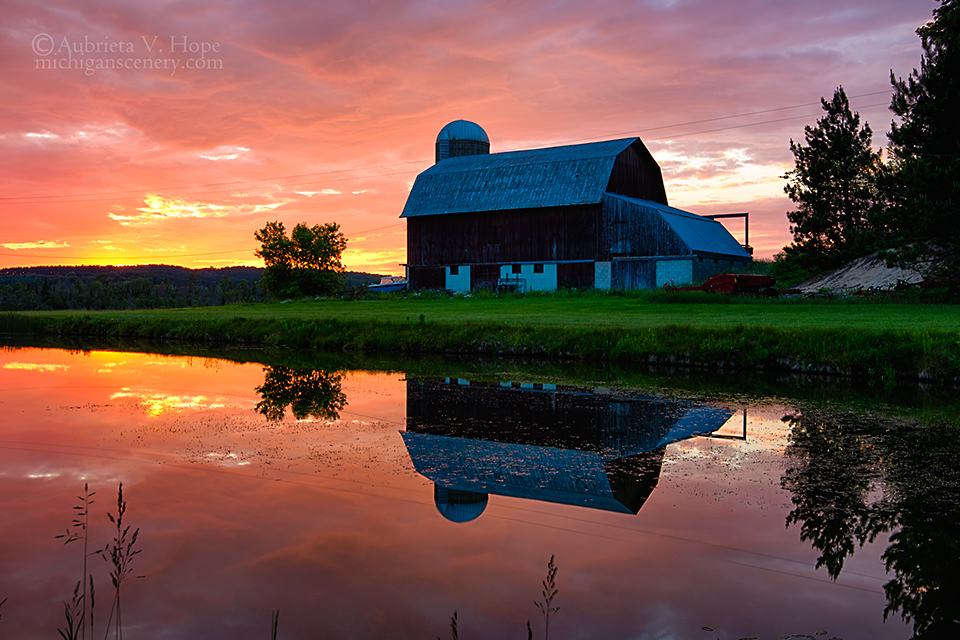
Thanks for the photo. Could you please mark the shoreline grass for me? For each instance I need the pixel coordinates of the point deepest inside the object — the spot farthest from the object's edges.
(871, 339)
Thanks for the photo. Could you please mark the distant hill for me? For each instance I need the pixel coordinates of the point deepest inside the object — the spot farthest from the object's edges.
(136, 287)
(173, 273)
(152, 271)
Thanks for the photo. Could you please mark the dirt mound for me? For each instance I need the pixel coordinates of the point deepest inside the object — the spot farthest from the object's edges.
(868, 272)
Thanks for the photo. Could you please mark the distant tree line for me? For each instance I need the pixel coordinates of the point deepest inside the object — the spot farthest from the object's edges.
(852, 201)
(136, 287)
(141, 287)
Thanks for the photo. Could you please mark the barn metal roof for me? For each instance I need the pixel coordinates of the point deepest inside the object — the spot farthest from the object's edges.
(557, 176)
(702, 235)
(549, 474)
(559, 474)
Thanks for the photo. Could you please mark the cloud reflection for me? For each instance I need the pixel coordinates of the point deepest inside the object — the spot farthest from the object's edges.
(27, 366)
(332, 525)
(156, 404)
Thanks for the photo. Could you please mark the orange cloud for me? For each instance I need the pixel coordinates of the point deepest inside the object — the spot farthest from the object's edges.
(334, 110)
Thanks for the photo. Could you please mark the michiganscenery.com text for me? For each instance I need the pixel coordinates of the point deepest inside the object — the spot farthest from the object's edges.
(151, 53)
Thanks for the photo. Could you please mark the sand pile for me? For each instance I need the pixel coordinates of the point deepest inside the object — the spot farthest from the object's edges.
(868, 272)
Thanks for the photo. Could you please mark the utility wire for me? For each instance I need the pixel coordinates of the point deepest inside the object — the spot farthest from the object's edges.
(739, 115)
(197, 193)
(96, 196)
(176, 255)
(212, 184)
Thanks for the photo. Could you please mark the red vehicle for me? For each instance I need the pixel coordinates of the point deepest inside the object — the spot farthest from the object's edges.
(735, 283)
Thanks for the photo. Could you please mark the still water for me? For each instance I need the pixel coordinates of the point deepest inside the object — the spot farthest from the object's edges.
(365, 504)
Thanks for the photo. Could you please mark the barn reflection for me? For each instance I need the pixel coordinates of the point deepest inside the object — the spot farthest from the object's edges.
(597, 448)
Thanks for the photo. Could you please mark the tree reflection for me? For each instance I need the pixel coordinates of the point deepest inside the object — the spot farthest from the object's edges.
(831, 488)
(924, 554)
(856, 478)
(308, 393)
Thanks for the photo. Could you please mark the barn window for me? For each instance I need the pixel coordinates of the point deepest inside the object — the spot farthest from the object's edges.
(516, 268)
(538, 268)
(455, 270)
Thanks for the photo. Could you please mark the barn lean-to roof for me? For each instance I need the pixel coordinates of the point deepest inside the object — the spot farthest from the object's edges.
(702, 235)
(557, 176)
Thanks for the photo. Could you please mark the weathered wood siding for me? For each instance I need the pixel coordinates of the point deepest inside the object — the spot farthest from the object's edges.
(499, 237)
(629, 229)
(633, 274)
(575, 275)
(484, 276)
(428, 278)
(636, 174)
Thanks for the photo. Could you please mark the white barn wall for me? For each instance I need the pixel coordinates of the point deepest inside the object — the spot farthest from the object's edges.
(602, 275)
(674, 272)
(459, 283)
(546, 281)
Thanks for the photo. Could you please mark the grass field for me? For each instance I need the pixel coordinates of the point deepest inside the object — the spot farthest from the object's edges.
(586, 311)
(874, 338)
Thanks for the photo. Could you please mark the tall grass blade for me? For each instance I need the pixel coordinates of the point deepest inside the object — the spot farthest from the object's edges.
(120, 552)
(82, 525)
(549, 593)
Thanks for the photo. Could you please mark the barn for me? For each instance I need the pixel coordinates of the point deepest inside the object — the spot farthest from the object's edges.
(589, 215)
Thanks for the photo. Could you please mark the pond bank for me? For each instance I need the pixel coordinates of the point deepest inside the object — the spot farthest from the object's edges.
(882, 355)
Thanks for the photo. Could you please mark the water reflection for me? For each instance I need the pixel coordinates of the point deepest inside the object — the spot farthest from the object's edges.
(593, 448)
(330, 522)
(855, 478)
(308, 392)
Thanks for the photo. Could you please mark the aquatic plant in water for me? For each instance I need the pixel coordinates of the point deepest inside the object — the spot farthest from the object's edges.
(546, 605)
(78, 612)
(549, 593)
(119, 553)
(78, 615)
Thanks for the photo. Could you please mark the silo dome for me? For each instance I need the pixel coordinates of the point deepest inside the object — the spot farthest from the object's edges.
(461, 138)
(458, 505)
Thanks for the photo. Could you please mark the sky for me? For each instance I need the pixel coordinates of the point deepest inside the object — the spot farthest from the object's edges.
(168, 132)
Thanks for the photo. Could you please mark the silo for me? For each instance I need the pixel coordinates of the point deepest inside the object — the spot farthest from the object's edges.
(461, 138)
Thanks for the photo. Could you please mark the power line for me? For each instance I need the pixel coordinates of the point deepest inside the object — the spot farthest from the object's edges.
(195, 193)
(174, 255)
(740, 115)
(755, 124)
(77, 198)
(212, 184)
(87, 257)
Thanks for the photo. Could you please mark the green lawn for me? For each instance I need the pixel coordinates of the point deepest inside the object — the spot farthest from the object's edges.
(873, 338)
(605, 311)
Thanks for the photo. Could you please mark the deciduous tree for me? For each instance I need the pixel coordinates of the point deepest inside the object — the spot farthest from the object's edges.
(305, 264)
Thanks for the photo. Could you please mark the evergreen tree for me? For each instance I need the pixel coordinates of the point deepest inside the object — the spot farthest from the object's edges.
(834, 186)
(923, 218)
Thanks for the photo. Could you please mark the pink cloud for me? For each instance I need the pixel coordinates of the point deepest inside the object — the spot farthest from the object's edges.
(313, 88)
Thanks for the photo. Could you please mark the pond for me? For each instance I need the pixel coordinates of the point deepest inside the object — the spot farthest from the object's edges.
(325, 503)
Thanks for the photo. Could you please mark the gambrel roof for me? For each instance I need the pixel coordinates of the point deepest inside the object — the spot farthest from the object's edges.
(557, 176)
